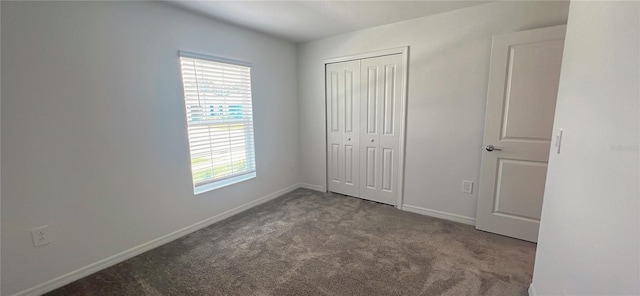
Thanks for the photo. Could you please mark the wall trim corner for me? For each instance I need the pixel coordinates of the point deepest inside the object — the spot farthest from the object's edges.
(439, 214)
(532, 290)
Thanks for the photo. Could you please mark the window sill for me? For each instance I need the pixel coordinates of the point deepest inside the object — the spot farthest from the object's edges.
(223, 183)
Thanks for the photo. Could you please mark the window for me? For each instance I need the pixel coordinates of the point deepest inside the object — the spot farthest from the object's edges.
(217, 96)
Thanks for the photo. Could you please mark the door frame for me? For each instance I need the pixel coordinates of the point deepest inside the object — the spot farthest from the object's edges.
(404, 52)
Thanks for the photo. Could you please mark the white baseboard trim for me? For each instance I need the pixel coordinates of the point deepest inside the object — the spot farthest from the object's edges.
(137, 250)
(532, 290)
(439, 214)
(311, 187)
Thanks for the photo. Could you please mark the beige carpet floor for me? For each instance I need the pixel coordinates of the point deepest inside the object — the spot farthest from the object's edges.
(311, 243)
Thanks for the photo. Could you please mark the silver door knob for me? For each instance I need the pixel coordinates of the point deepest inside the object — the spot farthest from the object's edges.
(371, 140)
(491, 148)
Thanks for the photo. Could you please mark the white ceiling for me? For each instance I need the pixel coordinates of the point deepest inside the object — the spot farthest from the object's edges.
(300, 21)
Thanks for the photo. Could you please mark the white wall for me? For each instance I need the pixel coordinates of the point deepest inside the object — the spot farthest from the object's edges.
(0, 151)
(448, 76)
(94, 131)
(590, 232)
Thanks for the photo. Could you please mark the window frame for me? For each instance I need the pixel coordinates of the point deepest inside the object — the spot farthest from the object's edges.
(224, 181)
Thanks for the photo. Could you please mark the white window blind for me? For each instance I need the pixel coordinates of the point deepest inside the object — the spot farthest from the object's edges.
(217, 97)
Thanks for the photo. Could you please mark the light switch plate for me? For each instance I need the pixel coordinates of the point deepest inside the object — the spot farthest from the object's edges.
(557, 140)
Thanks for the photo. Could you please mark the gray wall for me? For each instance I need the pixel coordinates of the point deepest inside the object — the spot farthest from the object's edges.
(448, 77)
(94, 137)
(589, 241)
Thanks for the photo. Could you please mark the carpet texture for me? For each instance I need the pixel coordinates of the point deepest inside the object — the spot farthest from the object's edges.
(311, 243)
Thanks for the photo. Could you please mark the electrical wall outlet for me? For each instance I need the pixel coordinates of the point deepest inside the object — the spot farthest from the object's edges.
(467, 186)
(41, 236)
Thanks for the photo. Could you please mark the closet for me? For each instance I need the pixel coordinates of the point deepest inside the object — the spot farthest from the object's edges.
(364, 116)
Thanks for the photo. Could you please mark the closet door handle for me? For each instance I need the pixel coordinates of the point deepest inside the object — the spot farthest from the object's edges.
(371, 140)
(349, 139)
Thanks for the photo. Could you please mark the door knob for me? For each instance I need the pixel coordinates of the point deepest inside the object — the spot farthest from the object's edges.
(349, 139)
(491, 148)
(371, 140)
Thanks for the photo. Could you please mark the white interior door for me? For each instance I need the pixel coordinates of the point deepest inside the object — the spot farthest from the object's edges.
(343, 126)
(380, 109)
(521, 100)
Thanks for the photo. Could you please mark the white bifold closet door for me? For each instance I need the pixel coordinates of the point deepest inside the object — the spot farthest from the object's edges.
(363, 121)
(380, 117)
(343, 127)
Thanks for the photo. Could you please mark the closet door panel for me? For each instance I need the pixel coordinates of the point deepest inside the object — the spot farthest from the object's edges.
(381, 113)
(343, 127)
